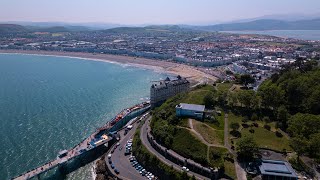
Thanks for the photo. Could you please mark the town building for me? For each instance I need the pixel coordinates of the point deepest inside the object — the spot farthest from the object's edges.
(190, 110)
(164, 89)
(273, 169)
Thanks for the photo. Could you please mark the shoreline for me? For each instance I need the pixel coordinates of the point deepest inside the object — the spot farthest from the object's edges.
(155, 65)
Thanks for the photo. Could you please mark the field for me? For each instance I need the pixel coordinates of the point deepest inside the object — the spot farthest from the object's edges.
(224, 86)
(211, 135)
(184, 123)
(189, 146)
(232, 118)
(230, 170)
(267, 139)
(219, 124)
(171, 131)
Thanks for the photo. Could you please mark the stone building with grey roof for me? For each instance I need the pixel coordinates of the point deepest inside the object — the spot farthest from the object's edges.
(164, 89)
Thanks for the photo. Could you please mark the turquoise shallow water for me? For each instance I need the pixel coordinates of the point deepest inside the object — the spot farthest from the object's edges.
(51, 103)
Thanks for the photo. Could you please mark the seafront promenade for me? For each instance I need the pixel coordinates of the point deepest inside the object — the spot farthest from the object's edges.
(99, 137)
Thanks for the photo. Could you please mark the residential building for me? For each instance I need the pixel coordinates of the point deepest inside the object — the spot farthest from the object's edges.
(190, 110)
(164, 89)
(273, 169)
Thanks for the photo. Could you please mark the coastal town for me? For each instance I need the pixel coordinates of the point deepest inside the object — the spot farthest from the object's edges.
(214, 53)
(160, 90)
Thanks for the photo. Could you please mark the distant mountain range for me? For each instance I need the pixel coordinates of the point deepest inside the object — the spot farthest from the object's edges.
(253, 25)
(14, 28)
(264, 24)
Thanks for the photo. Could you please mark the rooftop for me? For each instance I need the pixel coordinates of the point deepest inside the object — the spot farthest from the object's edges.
(277, 168)
(193, 107)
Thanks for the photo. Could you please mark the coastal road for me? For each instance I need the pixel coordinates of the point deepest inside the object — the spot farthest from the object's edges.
(120, 161)
(146, 143)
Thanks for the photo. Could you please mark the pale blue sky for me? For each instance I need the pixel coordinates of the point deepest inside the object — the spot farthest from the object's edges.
(149, 11)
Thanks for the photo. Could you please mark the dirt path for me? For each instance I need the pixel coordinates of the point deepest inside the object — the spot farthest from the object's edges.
(241, 174)
(200, 137)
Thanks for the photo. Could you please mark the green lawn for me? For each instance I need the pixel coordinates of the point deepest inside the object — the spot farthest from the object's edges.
(184, 122)
(147, 159)
(224, 86)
(232, 118)
(196, 97)
(267, 139)
(219, 124)
(212, 136)
(189, 146)
(230, 170)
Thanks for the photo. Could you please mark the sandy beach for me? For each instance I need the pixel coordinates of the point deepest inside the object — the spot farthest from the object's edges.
(162, 66)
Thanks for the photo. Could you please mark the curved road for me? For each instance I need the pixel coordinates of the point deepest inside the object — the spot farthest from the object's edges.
(120, 161)
(146, 143)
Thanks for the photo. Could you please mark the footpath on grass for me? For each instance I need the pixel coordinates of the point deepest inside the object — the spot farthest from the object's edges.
(146, 143)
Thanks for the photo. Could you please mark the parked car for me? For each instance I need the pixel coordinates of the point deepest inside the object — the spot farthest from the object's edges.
(185, 169)
(116, 171)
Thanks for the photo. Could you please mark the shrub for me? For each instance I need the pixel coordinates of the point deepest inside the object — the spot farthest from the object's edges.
(245, 119)
(254, 117)
(255, 124)
(244, 125)
(279, 134)
(234, 126)
(251, 130)
(266, 119)
(235, 133)
(267, 127)
(278, 125)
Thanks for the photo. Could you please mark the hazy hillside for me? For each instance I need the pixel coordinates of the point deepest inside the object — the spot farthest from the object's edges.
(12, 28)
(265, 24)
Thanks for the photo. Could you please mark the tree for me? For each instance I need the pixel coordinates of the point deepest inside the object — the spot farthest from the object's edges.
(305, 132)
(235, 126)
(271, 95)
(282, 116)
(246, 79)
(232, 99)
(209, 100)
(193, 177)
(254, 117)
(247, 148)
(184, 175)
(300, 145)
(303, 125)
(222, 97)
(315, 145)
(246, 98)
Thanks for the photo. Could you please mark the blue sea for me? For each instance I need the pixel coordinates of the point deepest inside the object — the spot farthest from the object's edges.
(48, 104)
(297, 34)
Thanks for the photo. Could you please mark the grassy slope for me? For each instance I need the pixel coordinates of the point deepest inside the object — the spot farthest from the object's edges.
(210, 135)
(151, 162)
(268, 139)
(189, 146)
(219, 124)
(224, 86)
(184, 142)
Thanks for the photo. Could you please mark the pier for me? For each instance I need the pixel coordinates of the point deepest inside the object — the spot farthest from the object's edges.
(100, 137)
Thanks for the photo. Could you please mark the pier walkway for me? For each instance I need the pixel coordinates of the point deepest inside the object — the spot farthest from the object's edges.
(99, 137)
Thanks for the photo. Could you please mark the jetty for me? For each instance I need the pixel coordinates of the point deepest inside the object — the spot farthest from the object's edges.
(102, 136)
